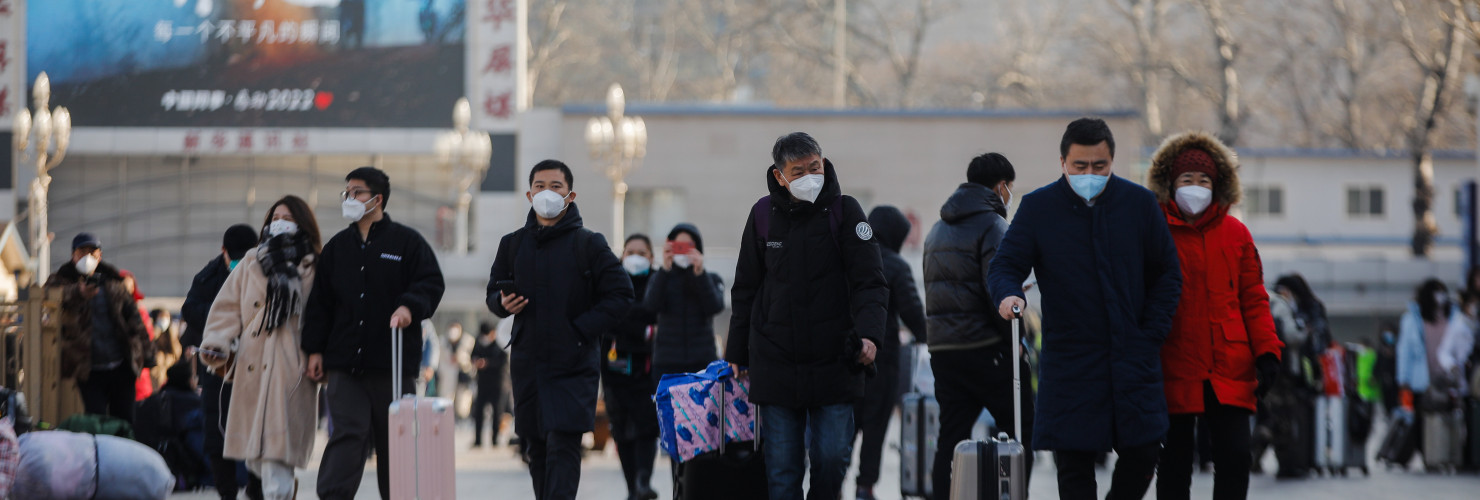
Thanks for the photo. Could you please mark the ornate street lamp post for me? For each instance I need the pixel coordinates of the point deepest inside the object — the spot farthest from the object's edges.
(53, 130)
(467, 152)
(618, 144)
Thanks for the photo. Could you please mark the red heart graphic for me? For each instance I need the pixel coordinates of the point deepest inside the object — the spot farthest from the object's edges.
(322, 100)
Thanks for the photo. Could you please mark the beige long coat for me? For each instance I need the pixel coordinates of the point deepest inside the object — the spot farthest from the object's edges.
(273, 405)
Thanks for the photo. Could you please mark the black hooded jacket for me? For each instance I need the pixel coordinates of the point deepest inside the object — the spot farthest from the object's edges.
(358, 285)
(686, 305)
(577, 292)
(800, 293)
(203, 290)
(958, 252)
(891, 227)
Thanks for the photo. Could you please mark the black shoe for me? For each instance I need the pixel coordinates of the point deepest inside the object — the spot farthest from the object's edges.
(865, 493)
(646, 493)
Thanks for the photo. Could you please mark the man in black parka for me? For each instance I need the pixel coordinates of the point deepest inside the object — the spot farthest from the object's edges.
(809, 312)
(213, 390)
(569, 289)
(372, 277)
(872, 414)
(970, 344)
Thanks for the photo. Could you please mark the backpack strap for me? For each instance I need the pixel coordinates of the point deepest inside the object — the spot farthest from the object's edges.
(761, 214)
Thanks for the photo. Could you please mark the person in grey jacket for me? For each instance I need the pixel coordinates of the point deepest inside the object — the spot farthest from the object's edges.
(686, 297)
(970, 344)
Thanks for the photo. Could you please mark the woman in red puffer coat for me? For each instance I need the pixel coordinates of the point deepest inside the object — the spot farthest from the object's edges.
(1222, 352)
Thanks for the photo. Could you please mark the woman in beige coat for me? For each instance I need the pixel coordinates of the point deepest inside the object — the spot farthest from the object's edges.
(255, 326)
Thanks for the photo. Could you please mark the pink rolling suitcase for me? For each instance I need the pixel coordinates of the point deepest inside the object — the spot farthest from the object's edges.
(421, 455)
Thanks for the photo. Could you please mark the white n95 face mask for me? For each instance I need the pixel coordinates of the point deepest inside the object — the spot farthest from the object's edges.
(549, 204)
(807, 188)
(87, 265)
(280, 226)
(353, 209)
(1193, 200)
(636, 265)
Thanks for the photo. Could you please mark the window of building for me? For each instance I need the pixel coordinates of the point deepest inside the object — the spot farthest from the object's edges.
(1267, 201)
(1364, 201)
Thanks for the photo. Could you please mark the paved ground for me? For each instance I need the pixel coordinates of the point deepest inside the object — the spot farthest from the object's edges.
(498, 474)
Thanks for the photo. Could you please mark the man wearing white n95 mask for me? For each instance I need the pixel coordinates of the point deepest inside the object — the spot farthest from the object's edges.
(565, 288)
(373, 276)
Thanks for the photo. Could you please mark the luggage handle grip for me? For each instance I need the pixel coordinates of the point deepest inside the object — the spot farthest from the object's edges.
(1017, 380)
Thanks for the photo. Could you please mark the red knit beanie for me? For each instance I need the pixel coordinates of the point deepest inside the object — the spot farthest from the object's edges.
(1194, 160)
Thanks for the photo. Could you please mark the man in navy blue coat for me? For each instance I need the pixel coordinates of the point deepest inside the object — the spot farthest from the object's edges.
(1108, 272)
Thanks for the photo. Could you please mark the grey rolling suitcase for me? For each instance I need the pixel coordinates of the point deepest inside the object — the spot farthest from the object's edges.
(995, 469)
(919, 431)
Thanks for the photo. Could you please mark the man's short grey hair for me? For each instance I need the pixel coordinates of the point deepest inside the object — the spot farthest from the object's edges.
(794, 146)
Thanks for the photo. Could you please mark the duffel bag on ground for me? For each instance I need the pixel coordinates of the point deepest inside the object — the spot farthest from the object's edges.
(60, 465)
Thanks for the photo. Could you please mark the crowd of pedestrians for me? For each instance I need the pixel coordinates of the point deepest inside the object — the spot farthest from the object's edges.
(1160, 338)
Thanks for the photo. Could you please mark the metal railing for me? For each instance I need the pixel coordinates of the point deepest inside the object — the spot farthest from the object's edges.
(31, 350)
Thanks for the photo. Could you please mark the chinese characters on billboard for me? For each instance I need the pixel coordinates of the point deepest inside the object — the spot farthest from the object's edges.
(251, 63)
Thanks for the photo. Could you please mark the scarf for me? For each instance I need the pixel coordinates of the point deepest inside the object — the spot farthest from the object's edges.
(279, 257)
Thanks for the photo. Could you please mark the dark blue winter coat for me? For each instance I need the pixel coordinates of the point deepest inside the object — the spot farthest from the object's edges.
(1110, 283)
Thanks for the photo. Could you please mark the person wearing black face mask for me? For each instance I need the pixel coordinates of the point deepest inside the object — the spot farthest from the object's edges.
(213, 390)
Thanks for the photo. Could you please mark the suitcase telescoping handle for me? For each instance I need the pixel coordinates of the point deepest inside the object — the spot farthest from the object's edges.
(395, 363)
(1017, 379)
(724, 418)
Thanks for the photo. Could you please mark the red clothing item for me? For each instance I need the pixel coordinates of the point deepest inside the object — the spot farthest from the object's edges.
(1223, 322)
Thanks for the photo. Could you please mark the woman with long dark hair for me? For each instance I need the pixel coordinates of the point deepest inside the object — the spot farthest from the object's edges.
(254, 330)
(1292, 398)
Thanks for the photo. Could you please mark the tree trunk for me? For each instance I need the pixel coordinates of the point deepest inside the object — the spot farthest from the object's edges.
(1441, 68)
(1228, 109)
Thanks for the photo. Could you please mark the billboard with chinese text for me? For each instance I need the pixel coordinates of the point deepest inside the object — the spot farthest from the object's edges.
(251, 63)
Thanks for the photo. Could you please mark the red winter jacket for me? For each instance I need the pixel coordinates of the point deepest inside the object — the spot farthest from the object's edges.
(1223, 321)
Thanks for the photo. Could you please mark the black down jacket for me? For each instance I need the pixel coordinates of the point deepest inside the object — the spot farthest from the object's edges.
(958, 251)
(577, 292)
(686, 305)
(891, 227)
(800, 293)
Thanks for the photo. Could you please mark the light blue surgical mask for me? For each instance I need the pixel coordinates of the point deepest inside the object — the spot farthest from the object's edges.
(1088, 186)
(232, 265)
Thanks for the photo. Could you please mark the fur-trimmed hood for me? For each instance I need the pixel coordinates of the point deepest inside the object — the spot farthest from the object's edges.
(1226, 190)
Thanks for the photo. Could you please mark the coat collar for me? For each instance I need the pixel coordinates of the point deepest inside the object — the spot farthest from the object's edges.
(1209, 218)
(570, 222)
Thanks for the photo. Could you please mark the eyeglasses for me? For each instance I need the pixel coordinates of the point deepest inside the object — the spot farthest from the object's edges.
(345, 195)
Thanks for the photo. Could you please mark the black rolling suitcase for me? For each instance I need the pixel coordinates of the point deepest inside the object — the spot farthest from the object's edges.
(733, 472)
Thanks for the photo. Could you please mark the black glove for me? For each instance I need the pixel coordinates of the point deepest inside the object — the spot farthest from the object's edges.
(1267, 369)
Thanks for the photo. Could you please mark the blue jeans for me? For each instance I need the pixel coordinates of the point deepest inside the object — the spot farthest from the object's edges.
(788, 434)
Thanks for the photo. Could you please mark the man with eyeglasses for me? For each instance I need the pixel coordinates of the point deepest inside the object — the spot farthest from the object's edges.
(373, 276)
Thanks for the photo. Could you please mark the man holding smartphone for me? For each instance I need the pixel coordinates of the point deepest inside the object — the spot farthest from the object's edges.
(565, 288)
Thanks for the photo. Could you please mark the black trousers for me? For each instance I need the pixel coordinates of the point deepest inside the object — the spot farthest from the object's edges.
(490, 395)
(634, 425)
(110, 392)
(359, 404)
(215, 398)
(1132, 477)
(965, 383)
(1228, 429)
(871, 417)
(555, 465)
